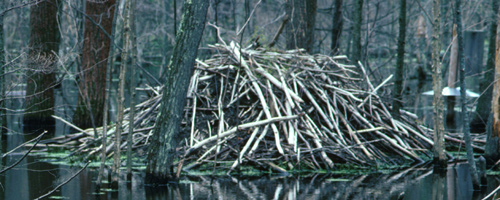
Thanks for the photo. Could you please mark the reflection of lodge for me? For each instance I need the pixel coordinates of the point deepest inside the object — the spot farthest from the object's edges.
(417, 182)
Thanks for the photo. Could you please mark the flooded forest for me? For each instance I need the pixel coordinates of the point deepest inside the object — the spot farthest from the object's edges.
(251, 99)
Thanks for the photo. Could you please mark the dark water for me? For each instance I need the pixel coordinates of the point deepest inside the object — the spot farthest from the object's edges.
(32, 178)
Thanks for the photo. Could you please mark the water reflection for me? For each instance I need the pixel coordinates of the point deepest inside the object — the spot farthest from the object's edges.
(439, 185)
(32, 179)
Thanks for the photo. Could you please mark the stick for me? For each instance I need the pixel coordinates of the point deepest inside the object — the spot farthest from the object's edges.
(491, 193)
(240, 127)
(65, 182)
(256, 86)
(280, 29)
(23, 144)
(26, 154)
(278, 84)
(70, 124)
(316, 105)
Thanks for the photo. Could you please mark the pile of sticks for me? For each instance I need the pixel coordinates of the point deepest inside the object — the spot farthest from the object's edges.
(269, 108)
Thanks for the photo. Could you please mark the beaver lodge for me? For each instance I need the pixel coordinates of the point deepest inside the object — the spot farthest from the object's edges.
(277, 110)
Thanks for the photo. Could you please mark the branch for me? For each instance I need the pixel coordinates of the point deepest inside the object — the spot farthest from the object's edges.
(240, 127)
(29, 3)
(425, 12)
(248, 20)
(26, 154)
(23, 144)
(280, 30)
(64, 183)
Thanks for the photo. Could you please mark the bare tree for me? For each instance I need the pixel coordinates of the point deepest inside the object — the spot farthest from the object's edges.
(463, 100)
(437, 85)
(356, 32)
(165, 137)
(337, 26)
(483, 109)
(95, 53)
(129, 55)
(493, 144)
(398, 84)
(41, 75)
(301, 26)
(3, 117)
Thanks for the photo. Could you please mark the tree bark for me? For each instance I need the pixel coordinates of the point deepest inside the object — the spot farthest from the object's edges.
(337, 26)
(398, 83)
(161, 152)
(452, 78)
(41, 75)
(437, 85)
(131, 60)
(120, 97)
(493, 144)
(95, 54)
(301, 25)
(465, 113)
(356, 32)
(483, 109)
(3, 118)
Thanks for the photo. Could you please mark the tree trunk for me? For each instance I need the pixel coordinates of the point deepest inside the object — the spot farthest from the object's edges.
(301, 25)
(493, 144)
(166, 135)
(3, 118)
(337, 26)
(41, 75)
(175, 17)
(437, 85)
(483, 109)
(398, 83)
(452, 79)
(95, 54)
(356, 32)
(120, 97)
(465, 113)
(131, 60)
(452, 68)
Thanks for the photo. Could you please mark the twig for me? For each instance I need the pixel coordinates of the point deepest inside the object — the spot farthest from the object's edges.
(70, 124)
(240, 127)
(26, 154)
(251, 14)
(491, 193)
(280, 29)
(23, 144)
(65, 182)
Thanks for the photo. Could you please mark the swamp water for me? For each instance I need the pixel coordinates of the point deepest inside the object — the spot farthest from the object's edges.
(32, 178)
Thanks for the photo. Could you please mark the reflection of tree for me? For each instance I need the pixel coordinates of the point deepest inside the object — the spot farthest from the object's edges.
(438, 185)
(312, 186)
(41, 176)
